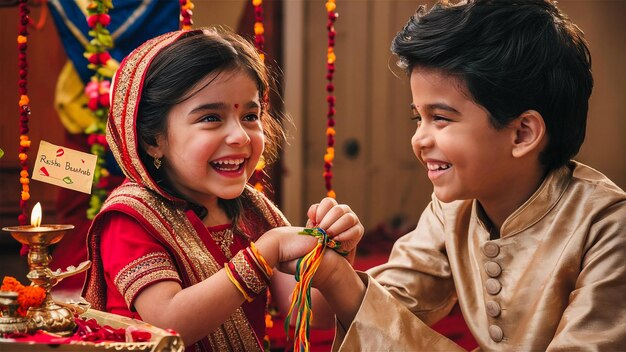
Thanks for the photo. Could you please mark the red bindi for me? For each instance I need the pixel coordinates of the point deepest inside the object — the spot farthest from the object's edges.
(236, 106)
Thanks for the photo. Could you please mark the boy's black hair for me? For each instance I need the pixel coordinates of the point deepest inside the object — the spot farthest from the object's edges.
(513, 55)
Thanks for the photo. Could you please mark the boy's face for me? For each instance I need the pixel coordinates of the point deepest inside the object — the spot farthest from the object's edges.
(466, 157)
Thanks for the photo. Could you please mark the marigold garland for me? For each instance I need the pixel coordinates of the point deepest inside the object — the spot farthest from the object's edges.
(330, 99)
(301, 297)
(24, 109)
(186, 7)
(97, 91)
(28, 296)
(259, 44)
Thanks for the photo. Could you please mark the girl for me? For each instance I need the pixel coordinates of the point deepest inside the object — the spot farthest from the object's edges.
(172, 246)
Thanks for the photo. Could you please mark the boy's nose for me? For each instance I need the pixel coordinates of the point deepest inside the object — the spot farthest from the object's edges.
(421, 139)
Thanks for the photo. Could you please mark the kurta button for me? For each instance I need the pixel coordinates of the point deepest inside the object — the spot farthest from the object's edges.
(496, 333)
(493, 286)
(491, 249)
(493, 269)
(493, 309)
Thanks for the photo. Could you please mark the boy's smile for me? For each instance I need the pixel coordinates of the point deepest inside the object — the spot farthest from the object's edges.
(466, 157)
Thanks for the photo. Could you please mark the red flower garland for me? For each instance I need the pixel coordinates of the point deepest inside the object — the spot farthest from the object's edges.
(259, 44)
(185, 14)
(330, 99)
(97, 91)
(24, 109)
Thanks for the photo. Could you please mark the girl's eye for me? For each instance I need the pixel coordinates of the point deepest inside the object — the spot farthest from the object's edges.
(210, 118)
(417, 118)
(251, 117)
(440, 118)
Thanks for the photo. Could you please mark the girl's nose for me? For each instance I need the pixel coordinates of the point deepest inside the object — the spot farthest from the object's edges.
(236, 134)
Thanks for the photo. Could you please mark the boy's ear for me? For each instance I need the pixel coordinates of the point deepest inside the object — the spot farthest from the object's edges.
(530, 130)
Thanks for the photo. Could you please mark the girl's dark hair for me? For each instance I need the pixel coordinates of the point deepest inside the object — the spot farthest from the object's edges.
(513, 56)
(173, 76)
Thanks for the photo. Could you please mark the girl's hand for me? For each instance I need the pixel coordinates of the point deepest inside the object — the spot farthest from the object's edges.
(283, 244)
(339, 222)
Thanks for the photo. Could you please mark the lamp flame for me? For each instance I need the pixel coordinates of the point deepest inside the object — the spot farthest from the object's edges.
(35, 215)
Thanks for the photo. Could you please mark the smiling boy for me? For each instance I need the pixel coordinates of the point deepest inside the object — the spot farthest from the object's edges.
(530, 243)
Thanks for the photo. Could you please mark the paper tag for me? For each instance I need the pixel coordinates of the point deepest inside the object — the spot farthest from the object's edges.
(64, 167)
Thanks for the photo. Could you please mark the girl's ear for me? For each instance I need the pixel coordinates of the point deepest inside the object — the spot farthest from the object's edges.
(530, 132)
(155, 151)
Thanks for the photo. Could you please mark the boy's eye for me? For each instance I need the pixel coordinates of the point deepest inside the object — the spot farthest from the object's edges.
(441, 118)
(417, 118)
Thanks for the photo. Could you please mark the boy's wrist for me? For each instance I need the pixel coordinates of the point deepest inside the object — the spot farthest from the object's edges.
(331, 271)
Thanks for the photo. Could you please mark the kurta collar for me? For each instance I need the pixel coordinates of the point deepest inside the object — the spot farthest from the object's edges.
(538, 205)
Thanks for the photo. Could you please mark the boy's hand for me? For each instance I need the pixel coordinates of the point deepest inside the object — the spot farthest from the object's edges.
(339, 222)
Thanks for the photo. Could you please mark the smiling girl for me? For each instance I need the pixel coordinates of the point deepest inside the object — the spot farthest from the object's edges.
(173, 245)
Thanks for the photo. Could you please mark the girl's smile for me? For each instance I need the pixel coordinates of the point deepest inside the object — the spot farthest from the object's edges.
(214, 139)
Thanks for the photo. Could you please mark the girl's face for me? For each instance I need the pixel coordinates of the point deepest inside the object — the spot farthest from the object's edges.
(466, 157)
(214, 139)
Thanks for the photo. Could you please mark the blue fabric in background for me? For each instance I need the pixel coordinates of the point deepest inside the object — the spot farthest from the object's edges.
(153, 18)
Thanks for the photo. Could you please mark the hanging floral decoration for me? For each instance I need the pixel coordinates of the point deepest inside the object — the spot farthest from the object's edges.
(329, 156)
(27, 296)
(186, 7)
(24, 109)
(97, 91)
(259, 44)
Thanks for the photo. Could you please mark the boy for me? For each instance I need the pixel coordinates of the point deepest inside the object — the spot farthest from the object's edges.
(530, 243)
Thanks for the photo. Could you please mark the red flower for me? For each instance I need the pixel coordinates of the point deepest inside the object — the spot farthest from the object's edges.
(92, 20)
(93, 104)
(104, 19)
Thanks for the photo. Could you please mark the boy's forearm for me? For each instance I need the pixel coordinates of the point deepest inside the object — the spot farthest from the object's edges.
(343, 289)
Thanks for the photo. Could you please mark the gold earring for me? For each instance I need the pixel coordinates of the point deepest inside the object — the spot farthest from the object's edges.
(157, 162)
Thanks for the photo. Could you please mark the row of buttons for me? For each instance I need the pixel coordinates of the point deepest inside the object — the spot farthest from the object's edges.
(493, 287)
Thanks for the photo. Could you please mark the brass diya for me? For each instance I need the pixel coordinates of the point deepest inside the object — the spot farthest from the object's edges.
(10, 321)
(49, 316)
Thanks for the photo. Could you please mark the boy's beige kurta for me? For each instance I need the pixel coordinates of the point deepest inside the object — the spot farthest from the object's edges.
(555, 279)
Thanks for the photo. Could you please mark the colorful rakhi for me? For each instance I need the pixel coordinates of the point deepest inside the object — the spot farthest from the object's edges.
(301, 297)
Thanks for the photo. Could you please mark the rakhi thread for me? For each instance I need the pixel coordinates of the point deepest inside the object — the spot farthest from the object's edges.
(329, 156)
(301, 297)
